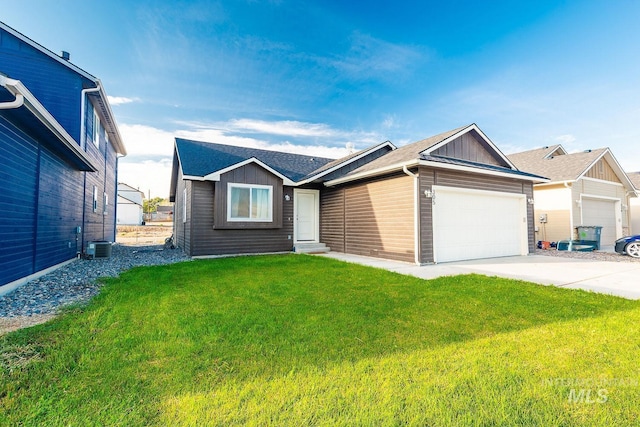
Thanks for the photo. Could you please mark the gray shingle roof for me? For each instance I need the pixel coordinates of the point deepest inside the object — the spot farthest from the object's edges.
(406, 153)
(494, 168)
(635, 178)
(202, 158)
(567, 167)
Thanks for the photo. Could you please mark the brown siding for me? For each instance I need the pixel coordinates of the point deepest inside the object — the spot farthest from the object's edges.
(430, 176)
(332, 218)
(182, 230)
(248, 174)
(378, 218)
(207, 240)
(469, 147)
(602, 170)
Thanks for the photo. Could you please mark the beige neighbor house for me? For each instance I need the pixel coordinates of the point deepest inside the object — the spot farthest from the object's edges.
(635, 203)
(450, 197)
(585, 189)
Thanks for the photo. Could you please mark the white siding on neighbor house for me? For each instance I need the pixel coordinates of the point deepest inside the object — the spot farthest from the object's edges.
(555, 203)
(604, 213)
(128, 213)
(634, 207)
(605, 190)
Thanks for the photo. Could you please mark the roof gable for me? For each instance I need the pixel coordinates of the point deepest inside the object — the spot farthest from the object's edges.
(461, 139)
(573, 166)
(205, 159)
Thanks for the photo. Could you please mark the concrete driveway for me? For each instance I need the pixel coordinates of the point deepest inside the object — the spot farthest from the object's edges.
(613, 278)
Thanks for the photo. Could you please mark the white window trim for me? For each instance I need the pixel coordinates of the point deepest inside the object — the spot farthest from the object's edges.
(105, 201)
(184, 205)
(231, 185)
(96, 129)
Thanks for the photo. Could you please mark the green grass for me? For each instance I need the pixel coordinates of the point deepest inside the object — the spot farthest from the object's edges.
(302, 340)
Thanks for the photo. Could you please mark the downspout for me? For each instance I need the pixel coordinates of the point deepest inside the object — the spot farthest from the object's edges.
(16, 103)
(416, 215)
(566, 185)
(83, 145)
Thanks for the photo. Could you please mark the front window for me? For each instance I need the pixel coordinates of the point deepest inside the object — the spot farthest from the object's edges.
(249, 202)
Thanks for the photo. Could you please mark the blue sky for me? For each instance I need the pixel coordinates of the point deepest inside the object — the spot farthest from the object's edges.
(311, 77)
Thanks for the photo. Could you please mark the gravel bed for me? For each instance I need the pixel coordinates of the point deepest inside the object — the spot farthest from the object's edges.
(76, 282)
(593, 256)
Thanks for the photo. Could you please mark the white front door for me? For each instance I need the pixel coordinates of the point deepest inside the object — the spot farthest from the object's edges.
(306, 226)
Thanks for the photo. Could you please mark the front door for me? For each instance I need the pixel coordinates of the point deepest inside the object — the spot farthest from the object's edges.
(306, 215)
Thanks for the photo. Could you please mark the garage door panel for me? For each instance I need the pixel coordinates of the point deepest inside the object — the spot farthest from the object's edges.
(472, 224)
(601, 212)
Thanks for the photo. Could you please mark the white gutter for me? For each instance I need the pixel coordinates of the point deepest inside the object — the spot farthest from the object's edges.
(436, 165)
(34, 106)
(10, 105)
(416, 215)
(83, 100)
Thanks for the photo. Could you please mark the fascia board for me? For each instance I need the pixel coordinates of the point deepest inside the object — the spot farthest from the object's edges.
(353, 159)
(215, 176)
(613, 162)
(471, 169)
(34, 106)
(475, 127)
(371, 173)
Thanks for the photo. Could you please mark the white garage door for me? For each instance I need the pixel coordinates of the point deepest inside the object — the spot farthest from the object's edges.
(472, 224)
(603, 213)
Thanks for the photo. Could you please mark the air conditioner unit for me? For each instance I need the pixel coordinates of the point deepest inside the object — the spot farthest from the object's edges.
(98, 249)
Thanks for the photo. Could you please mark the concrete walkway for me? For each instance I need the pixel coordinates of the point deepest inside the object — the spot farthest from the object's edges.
(613, 278)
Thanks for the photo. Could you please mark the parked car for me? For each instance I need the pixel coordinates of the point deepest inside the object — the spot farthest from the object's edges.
(629, 245)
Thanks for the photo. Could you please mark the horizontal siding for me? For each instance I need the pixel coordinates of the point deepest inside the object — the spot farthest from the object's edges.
(210, 240)
(18, 174)
(50, 81)
(430, 177)
(379, 218)
(332, 218)
(248, 174)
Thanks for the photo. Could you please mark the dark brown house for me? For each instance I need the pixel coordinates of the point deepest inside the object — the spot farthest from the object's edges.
(450, 197)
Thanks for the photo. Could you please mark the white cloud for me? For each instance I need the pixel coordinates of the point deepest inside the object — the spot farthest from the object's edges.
(147, 175)
(119, 100)
(565, 139)
(150, 150)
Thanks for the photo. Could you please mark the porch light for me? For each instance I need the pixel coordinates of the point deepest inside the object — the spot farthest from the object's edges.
(530, 200)
(428, 194)
(287, 197)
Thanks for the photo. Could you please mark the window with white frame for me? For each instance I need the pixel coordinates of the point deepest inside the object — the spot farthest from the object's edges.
(105, 201)
(96, 129)
(249, 202)
(184, 205)
(95, 198)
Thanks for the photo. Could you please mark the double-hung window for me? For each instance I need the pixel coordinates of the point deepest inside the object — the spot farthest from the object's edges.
(249, 202)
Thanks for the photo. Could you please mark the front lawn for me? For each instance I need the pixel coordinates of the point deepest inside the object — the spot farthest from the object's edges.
(304, 340)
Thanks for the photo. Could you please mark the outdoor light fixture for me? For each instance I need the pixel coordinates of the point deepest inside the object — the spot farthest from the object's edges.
(530, 200)
(428, 194)
(287, 197)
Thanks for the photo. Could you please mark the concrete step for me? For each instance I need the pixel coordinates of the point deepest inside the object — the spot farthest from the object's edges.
(310, 248)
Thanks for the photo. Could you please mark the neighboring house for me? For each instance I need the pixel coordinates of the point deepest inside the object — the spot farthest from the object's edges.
(635, 204)
(450, 197)
(59, 148)
(163, 213)
(587, 188)
(130, 206)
